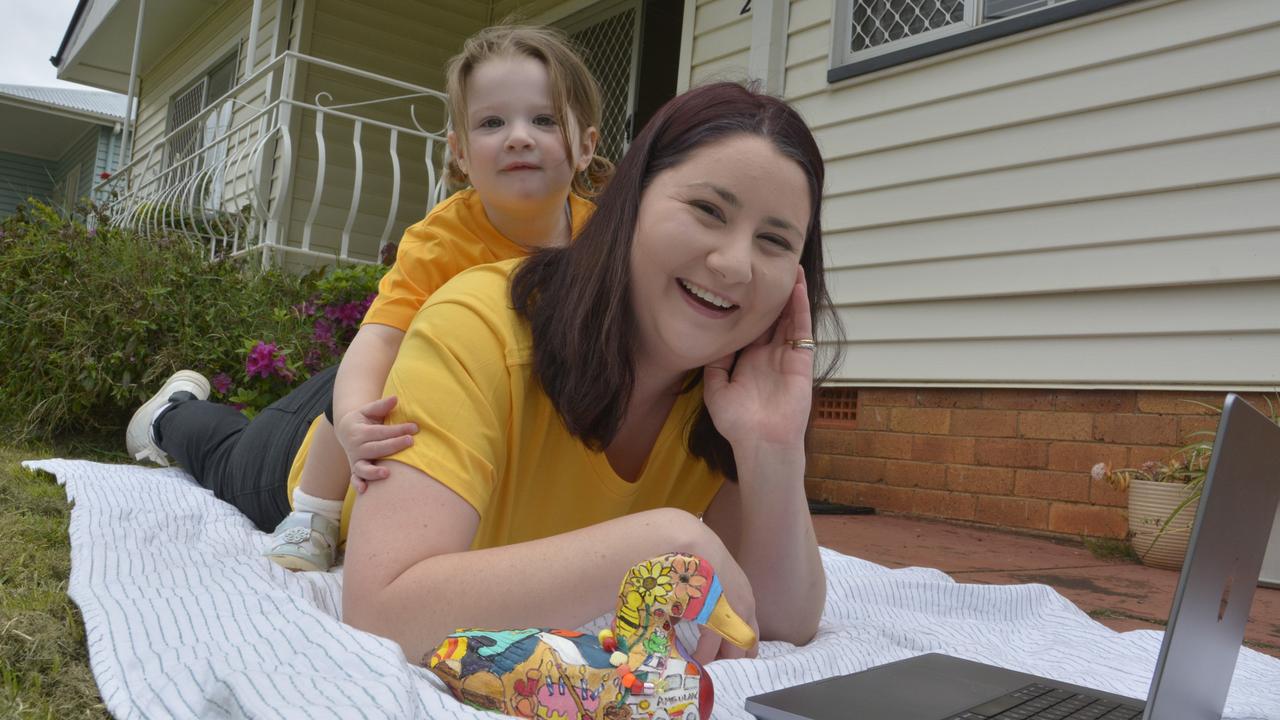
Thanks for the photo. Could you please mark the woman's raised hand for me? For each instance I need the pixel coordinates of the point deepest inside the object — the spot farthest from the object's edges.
(766, 395)
(365, 438)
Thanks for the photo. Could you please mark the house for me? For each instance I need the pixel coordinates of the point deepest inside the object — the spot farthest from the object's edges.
(1048, 224)
(56, 143)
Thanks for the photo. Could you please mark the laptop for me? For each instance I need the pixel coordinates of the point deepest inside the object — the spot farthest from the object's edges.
(1201, 641)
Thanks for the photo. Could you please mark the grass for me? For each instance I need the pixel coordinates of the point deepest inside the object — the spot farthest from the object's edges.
(1110, 549)
(44, 663)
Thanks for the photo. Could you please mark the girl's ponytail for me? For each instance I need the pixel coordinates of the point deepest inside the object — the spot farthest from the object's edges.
(591, 181)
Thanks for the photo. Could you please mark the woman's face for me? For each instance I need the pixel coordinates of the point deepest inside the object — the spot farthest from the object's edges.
(717, 242)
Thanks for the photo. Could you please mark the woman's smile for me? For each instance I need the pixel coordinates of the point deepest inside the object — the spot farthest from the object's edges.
(705, 301)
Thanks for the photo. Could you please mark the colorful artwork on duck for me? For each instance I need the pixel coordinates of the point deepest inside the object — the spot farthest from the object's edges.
(637, 670)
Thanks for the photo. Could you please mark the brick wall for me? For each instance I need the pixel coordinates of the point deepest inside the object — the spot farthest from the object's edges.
(1011, 458)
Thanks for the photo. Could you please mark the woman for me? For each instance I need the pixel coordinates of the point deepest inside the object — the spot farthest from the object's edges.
(643, 391)
(580, 410)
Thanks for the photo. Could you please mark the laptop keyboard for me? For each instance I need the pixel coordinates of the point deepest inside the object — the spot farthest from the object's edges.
(1041, 702)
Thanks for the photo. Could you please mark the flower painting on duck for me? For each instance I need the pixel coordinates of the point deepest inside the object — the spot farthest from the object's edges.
(635, 670)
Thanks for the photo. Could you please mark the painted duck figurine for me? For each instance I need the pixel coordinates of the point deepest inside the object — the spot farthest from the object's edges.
(634, 669)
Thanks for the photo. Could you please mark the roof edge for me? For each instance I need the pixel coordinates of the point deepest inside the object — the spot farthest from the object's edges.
(66, 37)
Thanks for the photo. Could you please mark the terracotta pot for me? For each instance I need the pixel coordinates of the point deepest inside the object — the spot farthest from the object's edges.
(1150, 504)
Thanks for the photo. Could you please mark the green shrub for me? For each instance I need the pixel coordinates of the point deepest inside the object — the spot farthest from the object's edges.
(92, 321)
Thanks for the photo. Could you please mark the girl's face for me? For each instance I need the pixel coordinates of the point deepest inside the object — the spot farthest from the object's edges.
(717, 241)
(514, 155)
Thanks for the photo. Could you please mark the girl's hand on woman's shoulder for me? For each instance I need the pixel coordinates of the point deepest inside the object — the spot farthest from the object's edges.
(365, 438)
(765, 396)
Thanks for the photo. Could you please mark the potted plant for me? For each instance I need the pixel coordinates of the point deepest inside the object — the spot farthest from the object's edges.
(1164, 498)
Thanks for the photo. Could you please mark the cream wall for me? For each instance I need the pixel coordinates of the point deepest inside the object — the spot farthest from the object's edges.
(721, 41)
(1092, 203)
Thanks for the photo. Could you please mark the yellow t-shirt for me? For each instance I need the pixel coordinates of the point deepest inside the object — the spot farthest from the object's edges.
(488, 432)
(454, 236)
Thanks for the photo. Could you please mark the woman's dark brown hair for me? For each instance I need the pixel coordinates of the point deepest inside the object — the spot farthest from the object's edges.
(577, 299)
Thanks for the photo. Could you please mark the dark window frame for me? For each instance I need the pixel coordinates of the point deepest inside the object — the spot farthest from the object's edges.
(844, 64)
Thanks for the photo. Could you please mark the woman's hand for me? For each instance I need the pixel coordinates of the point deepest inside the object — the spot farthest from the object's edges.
(765, 397)
(364, 438)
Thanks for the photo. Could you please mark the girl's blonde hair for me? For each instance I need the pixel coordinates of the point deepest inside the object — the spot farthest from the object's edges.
(575, 96)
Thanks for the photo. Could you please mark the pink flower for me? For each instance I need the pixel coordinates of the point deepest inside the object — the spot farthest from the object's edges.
(1100, 471)
(221, 382)
(265, 359)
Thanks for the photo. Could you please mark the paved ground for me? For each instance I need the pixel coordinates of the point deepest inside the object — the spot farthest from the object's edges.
(1121, 594)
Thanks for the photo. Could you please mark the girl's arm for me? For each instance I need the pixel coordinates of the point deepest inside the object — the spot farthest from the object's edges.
(357, 410)
(411, 577)
(760, 403)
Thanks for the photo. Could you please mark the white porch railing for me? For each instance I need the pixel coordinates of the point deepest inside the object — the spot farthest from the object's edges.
(227, 175)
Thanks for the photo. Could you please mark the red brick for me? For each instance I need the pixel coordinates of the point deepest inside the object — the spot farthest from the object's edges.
(1083, 456)
(1148, 453)
(1109, 522)
(1195, 428)
(982, 480)
(844, 467)
(881, 497)
(1018, 399)
(936, 503)
(1101, 493)
(984, 423)
(931, 421)
(1136, 429)
(1052, 485)
(873, 418)
(1096, 401)
(915, 474)
(883, 445)
(942, 449)
(816, 488)
(1178, 403)
(839, 491)
(1012, 453)
(832, 442)
(1055, 425)
(1013, 512)
(949, 398)
(894, 397)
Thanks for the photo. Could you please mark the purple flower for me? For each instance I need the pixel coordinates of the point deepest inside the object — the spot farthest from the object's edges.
(93, 233)
(221, 382)
(323, 332)
(265, 359)
(306, 308)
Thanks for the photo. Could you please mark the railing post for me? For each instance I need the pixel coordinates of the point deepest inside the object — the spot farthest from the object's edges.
(276, 229)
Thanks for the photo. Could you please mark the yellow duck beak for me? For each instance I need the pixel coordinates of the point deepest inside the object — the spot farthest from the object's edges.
(727, 624)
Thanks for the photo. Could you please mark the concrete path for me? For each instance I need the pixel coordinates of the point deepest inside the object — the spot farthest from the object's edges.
(1121, 594)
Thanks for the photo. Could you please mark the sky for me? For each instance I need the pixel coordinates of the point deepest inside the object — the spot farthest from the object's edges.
(33, 31)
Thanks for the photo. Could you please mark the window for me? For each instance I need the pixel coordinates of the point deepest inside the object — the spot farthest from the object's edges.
(874, 34)
(191, 101)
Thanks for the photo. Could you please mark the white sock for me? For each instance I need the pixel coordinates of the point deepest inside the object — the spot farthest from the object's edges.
(302, 502)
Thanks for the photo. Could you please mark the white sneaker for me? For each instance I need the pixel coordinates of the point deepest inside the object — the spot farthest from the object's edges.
(139, 438)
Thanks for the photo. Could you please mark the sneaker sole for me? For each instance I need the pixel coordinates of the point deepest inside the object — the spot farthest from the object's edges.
(290, 562)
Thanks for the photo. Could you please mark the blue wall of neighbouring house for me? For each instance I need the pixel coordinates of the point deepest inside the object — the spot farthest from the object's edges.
(22, 177)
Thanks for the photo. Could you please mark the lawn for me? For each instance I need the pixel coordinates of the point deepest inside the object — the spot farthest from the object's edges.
(44, 665)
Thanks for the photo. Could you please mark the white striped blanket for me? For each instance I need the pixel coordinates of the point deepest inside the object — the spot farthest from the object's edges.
(184, 619)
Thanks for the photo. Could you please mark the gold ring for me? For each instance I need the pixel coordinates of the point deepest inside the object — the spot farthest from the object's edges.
(803, 344)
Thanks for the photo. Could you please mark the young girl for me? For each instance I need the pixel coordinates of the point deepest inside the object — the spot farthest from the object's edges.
(524, 112)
